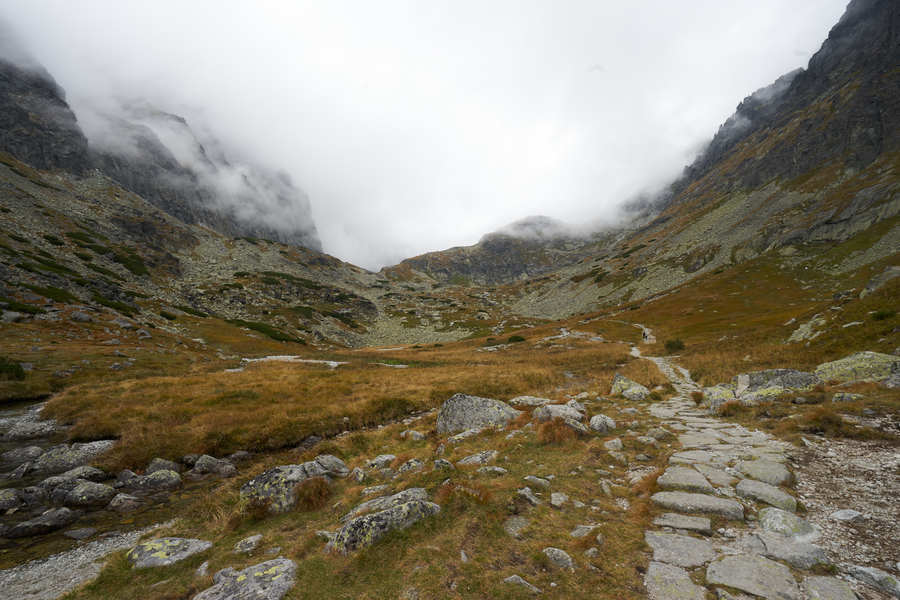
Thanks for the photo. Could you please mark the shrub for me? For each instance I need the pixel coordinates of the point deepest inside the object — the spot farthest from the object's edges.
(675, 345)
(125, 309)
(515, 339)
(383, 409)
(883, 314)
(697, 397)
(53, 293)
(167, 315)
(732, 408)
(131, 261)
(313, 493)
(54, 240)
(266, 329)
(10, 369)
(190, 311)
(555, 431)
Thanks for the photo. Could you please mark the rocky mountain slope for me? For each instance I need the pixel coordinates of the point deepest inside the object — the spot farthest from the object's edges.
(148, 151)
(806, 162)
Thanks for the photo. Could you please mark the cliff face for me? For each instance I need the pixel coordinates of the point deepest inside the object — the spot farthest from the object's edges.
(150, 152)
(36, 124)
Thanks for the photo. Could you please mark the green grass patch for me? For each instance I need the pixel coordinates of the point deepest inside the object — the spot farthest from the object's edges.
(54, 293)
(191, 311)
(22, 308)
(122, 307)
(674, 345)
(266, 329)
(131, 261)
(883, 314)
(105, 271)
(54, 240)
(167, 315)
(11, 369)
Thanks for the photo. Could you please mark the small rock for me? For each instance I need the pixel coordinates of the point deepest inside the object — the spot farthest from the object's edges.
(161, 464)
(481, 458)
(559, 558)
(124, 503)
(558, 499)
(613, 445)
(514, 525)
(248, 544)
(763, 492)
(516, 580)
(527, 495)
(80, 534)
(209, 465)
(847, 515)
(165, 551)
(537, 481)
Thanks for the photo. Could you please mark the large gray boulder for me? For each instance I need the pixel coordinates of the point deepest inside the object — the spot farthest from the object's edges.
(209, 465)
(366, 530)
(87, 493)
(164, 480)
(277, 486)
(862, 366)
(385, 502)
(602, 424)
(161, 464)
(10, 498)
(270, 580)
(64, 457)
(877, 578)
(165, 551)
(785, 379)
(549, 412)
(461, 412)
(628, 388)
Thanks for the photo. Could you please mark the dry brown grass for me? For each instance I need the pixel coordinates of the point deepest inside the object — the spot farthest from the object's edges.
(313, 493)
(555, 431)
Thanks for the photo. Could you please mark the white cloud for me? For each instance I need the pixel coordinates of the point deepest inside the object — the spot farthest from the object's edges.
(415, 126)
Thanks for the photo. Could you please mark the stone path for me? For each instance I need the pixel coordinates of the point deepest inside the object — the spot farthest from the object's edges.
(729, 521)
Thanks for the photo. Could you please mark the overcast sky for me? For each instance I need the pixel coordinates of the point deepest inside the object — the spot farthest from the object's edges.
(420, 125)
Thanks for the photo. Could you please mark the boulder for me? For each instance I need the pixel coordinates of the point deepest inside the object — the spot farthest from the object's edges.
(819, 587)
(17, 456)
(411, 466)
(482, 458)
(87, 493)
(366, 530)
(29, 429)
(785, 379)
(248, 544)
(161, 464)
(518, 581)
(628, 388)
(270, 580)
(602, 424)
(684, 478)
(862, 366)
(209, 465)
(462, 412)
(123, 503)
(381, 461)
(164, 480)
(79, 316)
(385, 502)
(529, 401)
(557, 411)
(165, 551)
(11, 498)
(277, 486)
(877, 578)
(755, 575)
(801, 555)
(64, 457)
(51, 520)
(771, 472)
(559, 558)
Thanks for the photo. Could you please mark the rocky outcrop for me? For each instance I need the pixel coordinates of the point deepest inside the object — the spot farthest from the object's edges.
(277, 487)
(270, 580)
(366, 530)
(862, 366)
(628, 388)
(462, 412)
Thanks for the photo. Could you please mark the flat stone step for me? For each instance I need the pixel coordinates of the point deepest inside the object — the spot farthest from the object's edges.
(679, 550)
(667, 582)
(699, 503)
(684, 522)
(684, 478)
(755, 575)
(763, 492)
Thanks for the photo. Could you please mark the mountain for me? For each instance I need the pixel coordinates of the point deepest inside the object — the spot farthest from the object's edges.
(806, 162)
(151, 152)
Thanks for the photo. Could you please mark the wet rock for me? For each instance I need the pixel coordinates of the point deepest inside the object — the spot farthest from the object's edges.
(88, 493)
(366, 530)
(209, 465)
(876, 578)
(559, 558)
(684, 478)
(754, 575)
(82, 533)
(699, 503)
(161, 464)
(684, 522)
(787, 524)
(277, 486)
(270, 580)
(667, 582)
(64, 457)
(629, 389)
(518, 581)
(763, 492)
(164, 480)
(51, 520)
(385, 502)
(17, 456)
(827, 588)
(123, 503)
(165, 551)
(462, 412)
(862, 366)
(11, 498)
